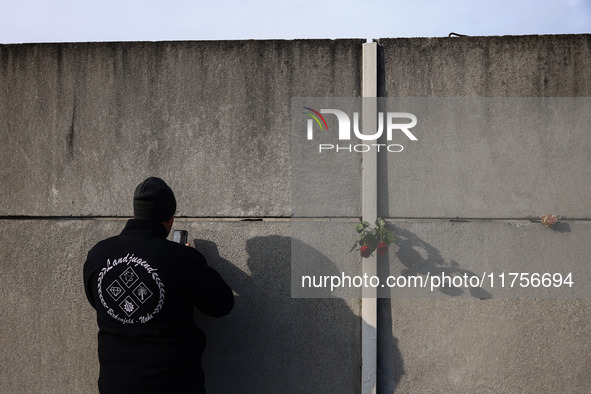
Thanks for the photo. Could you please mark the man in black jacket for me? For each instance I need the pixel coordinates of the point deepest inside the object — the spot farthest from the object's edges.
(144, 288)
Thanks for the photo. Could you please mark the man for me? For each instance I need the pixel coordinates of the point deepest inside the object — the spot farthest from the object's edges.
(144, 288)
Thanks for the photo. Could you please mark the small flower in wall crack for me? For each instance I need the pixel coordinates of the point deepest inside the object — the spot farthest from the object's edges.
(371, 239)
(549, 220)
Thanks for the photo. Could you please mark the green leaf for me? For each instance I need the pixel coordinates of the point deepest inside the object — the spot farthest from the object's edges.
(363, 239)
(358, 227)
(354, 246)
(365, 224)
(380, 222)
(390, 238)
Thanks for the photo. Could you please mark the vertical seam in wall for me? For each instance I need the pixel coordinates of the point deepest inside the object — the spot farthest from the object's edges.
(369, 213)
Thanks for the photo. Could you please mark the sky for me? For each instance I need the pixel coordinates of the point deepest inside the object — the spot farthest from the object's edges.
(25, 21)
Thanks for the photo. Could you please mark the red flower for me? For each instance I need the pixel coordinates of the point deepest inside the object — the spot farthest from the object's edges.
(382, 248)
(365, 251)
(549, 220)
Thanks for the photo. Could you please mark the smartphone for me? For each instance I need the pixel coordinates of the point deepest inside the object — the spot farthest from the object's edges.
(180, 236)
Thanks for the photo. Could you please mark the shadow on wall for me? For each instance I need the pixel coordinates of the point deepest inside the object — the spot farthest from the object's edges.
(561, 227)
(390, 361)
(408, 253)
(271, 342)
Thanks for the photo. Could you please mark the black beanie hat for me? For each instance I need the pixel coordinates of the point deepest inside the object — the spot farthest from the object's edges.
(153, 200)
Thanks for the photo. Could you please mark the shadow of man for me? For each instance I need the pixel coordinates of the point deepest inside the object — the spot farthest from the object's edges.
(274, 343)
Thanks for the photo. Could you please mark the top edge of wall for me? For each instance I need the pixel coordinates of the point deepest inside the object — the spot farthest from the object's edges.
(140, 42)
(491, 37)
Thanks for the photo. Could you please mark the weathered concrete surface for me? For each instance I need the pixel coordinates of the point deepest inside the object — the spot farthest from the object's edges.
(490, 158)
(269, 343)
(82, 124)
(461, 344)
(508, 66)
(87, 121)
(48, 328)
(519, 345)
(491, 346)
(321, 249)
(481, 172)
(324, 183)
(479, 249)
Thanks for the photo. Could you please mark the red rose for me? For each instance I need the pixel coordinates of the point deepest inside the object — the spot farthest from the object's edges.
(382, 248)
(365, 251)
(549, 220)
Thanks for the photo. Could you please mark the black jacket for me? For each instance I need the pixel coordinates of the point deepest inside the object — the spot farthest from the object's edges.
(144, 288)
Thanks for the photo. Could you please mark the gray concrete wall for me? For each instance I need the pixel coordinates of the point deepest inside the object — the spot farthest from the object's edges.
(497, 345)
(82, 124)
(84, 120)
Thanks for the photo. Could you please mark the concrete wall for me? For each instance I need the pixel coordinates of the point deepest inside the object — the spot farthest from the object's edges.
(496, 345)
(209, 116)
(82, 124)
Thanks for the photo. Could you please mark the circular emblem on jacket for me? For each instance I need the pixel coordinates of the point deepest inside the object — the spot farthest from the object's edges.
(130, 290)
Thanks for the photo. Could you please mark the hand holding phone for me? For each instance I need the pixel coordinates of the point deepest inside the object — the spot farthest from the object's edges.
(180, 236)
